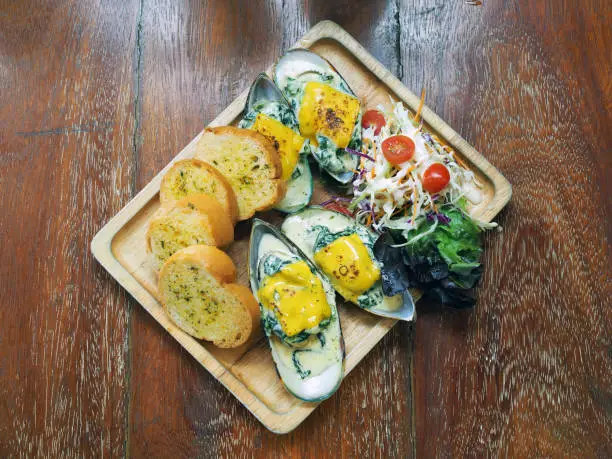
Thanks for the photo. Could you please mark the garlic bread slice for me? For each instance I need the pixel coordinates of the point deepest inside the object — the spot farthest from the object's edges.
(249, 162)
(196, 219)
(196, 291)
(192, 176)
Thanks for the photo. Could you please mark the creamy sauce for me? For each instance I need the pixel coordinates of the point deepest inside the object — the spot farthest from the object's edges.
(313, 358)
(299, 229)
(299, 188)
(326, 371)
(391, 303)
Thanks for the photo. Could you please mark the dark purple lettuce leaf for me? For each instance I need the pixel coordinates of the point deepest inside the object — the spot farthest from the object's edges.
(457, 298)
(425, 269)
(394, 273)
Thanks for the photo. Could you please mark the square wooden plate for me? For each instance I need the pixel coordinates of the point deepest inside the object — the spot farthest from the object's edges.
(248, 372)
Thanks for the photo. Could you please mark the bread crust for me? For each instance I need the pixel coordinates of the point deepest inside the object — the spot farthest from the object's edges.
(266, 145)
(272, 158)
(214, 260)
(221, 223)
(246, 297)
(232, 203)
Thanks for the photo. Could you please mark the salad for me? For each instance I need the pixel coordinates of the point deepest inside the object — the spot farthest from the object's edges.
(415, 192)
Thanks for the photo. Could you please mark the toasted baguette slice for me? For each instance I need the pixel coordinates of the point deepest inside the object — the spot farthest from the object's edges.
(194, 292)
(197, 219)
(192, 176)
(250, 163)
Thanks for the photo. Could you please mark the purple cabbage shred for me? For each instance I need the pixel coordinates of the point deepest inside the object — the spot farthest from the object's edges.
(335, 199)
(358, 153)
(442, 219)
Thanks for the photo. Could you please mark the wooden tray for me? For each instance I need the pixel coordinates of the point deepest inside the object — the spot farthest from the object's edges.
(248, 372)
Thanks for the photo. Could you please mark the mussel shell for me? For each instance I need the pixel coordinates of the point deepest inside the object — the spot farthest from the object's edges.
(296, 62)
(344, 177)
(300, 63)
(263, 89)
(323, 385)
(299, 190)
(405, 312)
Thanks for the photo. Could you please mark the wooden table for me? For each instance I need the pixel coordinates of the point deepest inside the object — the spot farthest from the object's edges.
(96, 98)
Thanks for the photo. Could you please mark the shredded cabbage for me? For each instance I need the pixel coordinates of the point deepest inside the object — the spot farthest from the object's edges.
(389, 196)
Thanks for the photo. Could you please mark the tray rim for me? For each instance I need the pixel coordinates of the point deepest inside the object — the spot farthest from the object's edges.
(101, 244)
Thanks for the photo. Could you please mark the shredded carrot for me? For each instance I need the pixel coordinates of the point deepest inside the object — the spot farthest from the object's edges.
(458, 161)
(414, 207)
(407, 176)
(421, 103)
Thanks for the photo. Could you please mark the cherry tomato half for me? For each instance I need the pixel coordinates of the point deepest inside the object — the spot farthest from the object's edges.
(373, 118)
(435, 178)
(338, 208)
(398, 149)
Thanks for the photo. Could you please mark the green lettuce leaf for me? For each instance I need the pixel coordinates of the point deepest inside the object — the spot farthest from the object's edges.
(444, 260)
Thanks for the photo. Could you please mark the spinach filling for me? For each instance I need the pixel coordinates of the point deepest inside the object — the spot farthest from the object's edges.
(371, 298)
(298, 365)
(297, 173)
(273, 264)
(275, 110)
(324, 237)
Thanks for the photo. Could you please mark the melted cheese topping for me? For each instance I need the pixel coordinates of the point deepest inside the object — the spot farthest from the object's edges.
(347, 263)
(287, 142)
(297, 297)
(329, 112)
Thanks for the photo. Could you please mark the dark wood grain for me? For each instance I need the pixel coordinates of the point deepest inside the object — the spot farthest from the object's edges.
(97, 98)
(528, 371)
(66, 115)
